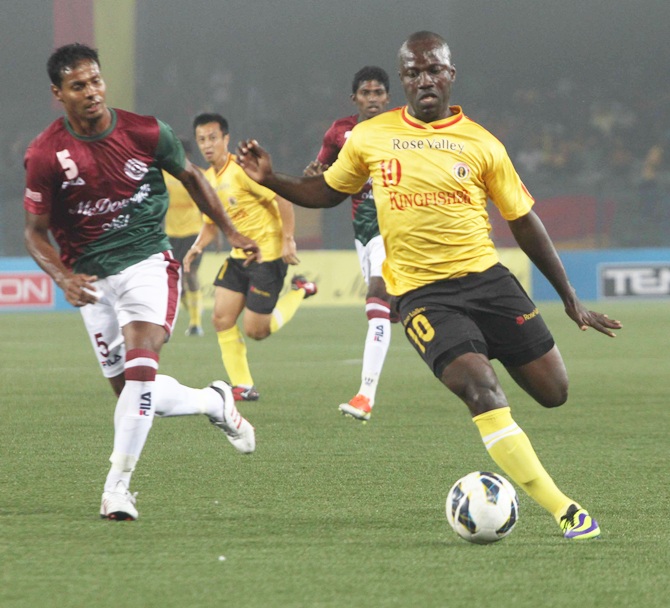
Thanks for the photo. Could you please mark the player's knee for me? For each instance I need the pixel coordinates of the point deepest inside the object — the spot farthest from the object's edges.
(257, 333)
(222, 322)
(554, 398)
(478, 397)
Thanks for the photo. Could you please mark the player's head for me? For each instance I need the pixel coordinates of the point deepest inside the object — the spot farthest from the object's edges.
(427, 74)
(76, 82)
(370, 91)
(65, 58)
(370, 72)
(212, 136)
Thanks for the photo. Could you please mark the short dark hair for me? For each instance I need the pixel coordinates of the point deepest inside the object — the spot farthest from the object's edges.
(206, 118)
(69, 56)
(370, 72)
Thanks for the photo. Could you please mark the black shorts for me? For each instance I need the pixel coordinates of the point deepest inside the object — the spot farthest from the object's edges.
(260, 283)
(180, 246)
(485, 312)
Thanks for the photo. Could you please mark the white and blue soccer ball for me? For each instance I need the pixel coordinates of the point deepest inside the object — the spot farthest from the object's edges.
(482, 507)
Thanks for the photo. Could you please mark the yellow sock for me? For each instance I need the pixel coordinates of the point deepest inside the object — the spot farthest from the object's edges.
(511, 450)
(194, 307)
(286, 307)
(234, 356)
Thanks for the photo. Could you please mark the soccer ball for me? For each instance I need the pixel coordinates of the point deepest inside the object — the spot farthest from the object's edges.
(482, 507)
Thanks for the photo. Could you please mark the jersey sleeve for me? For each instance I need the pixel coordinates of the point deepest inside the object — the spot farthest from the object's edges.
(349, 172)
(329, 148)
(505, 188)
(169, 152)
(40, 179)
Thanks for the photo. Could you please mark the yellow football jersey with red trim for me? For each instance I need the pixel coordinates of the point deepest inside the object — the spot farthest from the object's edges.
(183, 218)
(252, 208)
(431, 182)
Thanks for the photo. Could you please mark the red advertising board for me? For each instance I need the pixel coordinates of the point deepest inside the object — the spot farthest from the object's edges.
(26, 290)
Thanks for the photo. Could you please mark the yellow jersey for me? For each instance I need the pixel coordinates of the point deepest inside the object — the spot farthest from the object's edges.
(252, 208)
(431, 182)
(183, 218)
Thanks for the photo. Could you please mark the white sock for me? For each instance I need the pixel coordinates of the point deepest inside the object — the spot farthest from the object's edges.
(133, 418)
(377, 342)
(174, 399)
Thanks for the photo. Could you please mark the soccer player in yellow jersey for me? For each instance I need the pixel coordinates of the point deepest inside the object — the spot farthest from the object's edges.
(183, 221)
(252, 288)
(433, 170)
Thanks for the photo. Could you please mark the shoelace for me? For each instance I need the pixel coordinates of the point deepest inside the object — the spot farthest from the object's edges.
(568, 520)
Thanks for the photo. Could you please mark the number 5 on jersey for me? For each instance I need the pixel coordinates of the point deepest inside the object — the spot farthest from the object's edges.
(69, 166)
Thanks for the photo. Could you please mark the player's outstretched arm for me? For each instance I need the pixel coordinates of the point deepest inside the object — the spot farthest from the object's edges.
(208, 202)
(312, 192)
(78, 288)
(531, 235)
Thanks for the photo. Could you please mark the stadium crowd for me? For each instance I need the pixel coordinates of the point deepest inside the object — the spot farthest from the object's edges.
(569, 138)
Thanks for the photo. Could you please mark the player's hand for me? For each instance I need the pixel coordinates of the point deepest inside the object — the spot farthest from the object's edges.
(190, 256)
(314, 168)
(249, 246)
(79, 289)
(589, 318)
(255, 161)
(289, 252)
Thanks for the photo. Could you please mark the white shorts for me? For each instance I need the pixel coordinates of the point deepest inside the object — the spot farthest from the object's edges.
(371, 257)
(147, 291)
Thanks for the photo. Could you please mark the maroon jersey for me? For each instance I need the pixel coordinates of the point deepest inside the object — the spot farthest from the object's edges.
(363, 210)
(105, 194)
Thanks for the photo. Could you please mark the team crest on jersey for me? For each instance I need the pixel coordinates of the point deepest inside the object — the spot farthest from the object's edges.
(135, 169)
(461, 171)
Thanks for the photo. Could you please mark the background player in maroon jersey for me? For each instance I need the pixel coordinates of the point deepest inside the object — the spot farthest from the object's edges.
(370, 94)
(93, 179)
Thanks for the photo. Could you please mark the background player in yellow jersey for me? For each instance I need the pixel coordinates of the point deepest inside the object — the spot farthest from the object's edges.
(183, 222)
(241, 287)
(370, 93)
(433, 170)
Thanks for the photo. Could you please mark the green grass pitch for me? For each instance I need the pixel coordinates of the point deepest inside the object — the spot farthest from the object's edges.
(328, 512)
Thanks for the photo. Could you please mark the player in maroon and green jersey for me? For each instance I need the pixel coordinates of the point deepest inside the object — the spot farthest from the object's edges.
(104, 193)
(370, 94)
(94, 181)
(432, 171)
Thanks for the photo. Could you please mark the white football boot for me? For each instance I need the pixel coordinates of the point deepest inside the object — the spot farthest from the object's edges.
(119, 504)
(238, 430)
